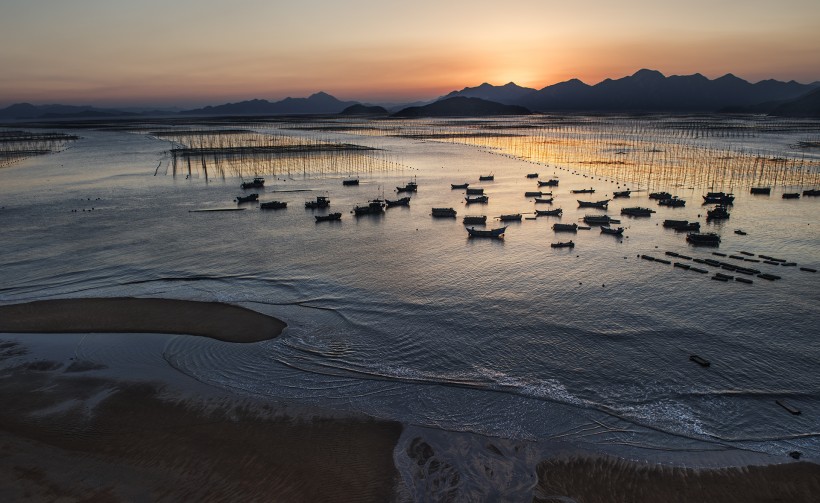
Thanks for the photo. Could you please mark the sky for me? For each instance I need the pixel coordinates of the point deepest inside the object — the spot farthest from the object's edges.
(199, 52)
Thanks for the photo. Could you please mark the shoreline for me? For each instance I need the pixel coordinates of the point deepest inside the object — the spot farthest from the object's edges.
(216, 320)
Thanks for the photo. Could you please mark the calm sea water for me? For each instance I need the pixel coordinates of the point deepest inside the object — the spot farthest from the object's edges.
(402, 316)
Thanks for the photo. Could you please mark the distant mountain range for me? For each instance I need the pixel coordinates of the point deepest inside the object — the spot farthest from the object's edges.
(460, 106)
(644, 91)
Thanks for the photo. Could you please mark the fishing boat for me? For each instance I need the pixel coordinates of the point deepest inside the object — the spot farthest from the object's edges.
(475, 220)
(514, 217)
(675, 223)
(548, 183)
(544, 200)
(320, 202)
(811, 192)
(740, 232)
(682, 225)
(533, 193)
(486, 178)
(599, 220)
(328, 218)
(583, 191)
(791, 195)
(476, 199)
(707, 239)
(250, 198)
(565, 227)
(273, 205)
(700, 361)
(566, 244)
(612, 232)
(490, 233)
(761, 190)
(352, 181)
(455, 186)
(404, 201)
(409, 187)
(257, 183)
(673, 202)
(549, 213)
(622, 193)
(717, 213)
(637, 211)
(374, 207)
(593, 204)
(718, 198)
(444, 213)
(532, 175)
(475, 192)
(660, 195)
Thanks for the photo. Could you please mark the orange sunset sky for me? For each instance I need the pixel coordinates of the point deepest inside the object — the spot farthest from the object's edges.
(196, 52)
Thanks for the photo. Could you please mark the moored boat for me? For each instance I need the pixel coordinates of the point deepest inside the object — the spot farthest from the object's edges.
(409, 187)
(637, 211)
(257, 183)
(320, 202)
(660, 195)
(672, 202)
(455, 186)
(544, 200)
(707, 239)
(565, 227)
(273, 205)
(812, 192)
(583, 191)
(533, 193)
(444, 213)
(761, 190)
(250, 198)
(476, 199)
(328, 218)
(622, 193)
(352, 181)
(475, 220)
(599, 220)
(532, 175)
(489, 233)
(593, 204)
(718, 198)
(717, 213)
(514, 217)
(486, 178)
(404, 201)
(372, 208)
(476, 191)
(549, 213)
(552, 182)
(565, 244)
(612, 232)
(791, 195)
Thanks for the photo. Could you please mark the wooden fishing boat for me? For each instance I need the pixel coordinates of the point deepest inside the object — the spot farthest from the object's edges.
(637, 211)
(455, 186)
(532, 175)
(328, 218)
(475, 220)
(599, 220)
(515, 217)
(549, 213)
(660, 195)
(486, 178)
(565, 244)
(489, 233)
(409, 187)
(673, 202)
(352, 181)
(533, 193)
(320, 202)
(544, 200)
(404, 201)
(374, 207)
(444, 213)
(761, 190)
(593, 204)
(583, 191)
(565, 227)
(811, 192)
(612, 232)
(707, 239)
(476, 199)
(548, 183)
(717, 213)
(257, 183)
(622, 193)
(250, 198)
(475, 191)
(273, 205)
(791, 195)
(718, 198)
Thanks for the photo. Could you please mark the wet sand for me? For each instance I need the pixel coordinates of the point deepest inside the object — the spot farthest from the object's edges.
(608, 480)
(125, 314)
(67, 436)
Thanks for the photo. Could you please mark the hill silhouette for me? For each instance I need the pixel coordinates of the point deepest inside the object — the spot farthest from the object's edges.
(359, 109)
(319, 103)
(462, 107)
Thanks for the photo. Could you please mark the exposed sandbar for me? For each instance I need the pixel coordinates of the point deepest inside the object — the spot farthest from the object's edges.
(220, 321)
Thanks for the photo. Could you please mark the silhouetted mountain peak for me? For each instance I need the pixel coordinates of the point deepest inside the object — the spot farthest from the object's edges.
(645, 74)
(462, 106)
